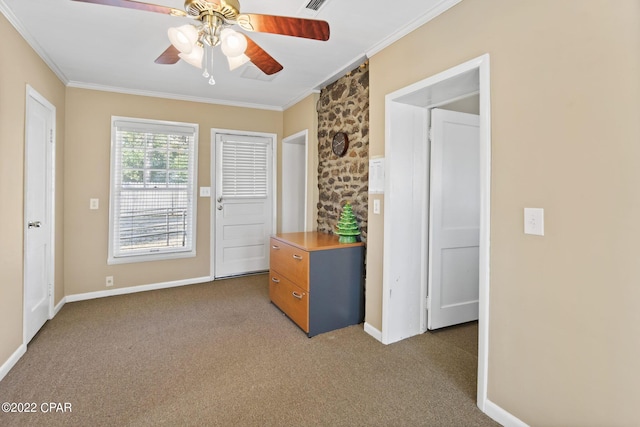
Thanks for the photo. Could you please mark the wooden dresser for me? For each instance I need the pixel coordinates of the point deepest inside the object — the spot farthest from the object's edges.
(316, 281)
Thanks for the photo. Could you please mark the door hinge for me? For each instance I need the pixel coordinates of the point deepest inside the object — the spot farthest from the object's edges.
(51, 136)
(50, 289)
(430, 134)
(428, 303)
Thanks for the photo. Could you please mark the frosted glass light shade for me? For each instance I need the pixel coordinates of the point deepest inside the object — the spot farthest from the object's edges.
(194, 57)
(233, 43)
(237, 61)
(183, 38)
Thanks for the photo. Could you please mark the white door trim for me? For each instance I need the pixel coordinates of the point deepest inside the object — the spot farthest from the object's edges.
(32, 94)
(212, 171)
(411, 104)
(304, 134)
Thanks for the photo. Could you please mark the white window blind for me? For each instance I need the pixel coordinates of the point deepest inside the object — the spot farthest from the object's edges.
(244, 169)
(153, 175)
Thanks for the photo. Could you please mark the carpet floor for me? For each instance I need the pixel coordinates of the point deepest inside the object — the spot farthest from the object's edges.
(220, 354)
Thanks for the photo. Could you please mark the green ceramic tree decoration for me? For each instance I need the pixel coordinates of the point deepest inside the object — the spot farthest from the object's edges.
(347, 227)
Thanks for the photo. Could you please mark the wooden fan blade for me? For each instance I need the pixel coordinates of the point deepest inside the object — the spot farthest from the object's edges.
(261, 58)
(131, 4)
(169, 56)
(296, 27)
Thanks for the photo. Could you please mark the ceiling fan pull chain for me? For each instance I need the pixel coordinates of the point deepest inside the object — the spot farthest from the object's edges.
(211, 80)
(205, 73)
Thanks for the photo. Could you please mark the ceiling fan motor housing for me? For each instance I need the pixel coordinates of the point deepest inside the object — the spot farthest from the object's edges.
(199, 8)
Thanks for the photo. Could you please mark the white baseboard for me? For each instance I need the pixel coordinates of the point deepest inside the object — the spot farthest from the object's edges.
(57, 308)
(134, 289)
(501, 416)
(6, 367)
(11, 361)
(373, 331)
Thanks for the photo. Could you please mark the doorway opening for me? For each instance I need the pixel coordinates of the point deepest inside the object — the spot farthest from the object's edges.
(295, 152)
(406, 201)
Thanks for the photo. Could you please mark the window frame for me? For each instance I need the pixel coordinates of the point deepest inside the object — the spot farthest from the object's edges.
(156, 255)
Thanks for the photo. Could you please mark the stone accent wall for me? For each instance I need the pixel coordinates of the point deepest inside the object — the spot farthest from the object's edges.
(344, 107)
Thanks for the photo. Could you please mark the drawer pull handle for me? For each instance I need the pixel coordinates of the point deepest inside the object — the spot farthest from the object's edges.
(276, 248)
(296, 295)
(274, 280)
(298, 257)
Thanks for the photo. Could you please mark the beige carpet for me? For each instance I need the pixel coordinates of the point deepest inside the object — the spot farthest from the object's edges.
(221, 354)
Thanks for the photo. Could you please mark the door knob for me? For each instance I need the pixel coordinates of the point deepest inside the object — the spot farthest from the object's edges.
(219, 199)
(219, 207)
(35, 224)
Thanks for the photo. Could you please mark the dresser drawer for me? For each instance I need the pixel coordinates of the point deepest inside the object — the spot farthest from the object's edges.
(290, 262)
(291, 299)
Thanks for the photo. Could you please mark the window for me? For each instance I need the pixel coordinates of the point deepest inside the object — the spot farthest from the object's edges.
(153, 183)
(244, 169)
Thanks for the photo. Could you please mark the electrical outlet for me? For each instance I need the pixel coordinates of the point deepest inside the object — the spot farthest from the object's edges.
(109, 280)
(94, 204)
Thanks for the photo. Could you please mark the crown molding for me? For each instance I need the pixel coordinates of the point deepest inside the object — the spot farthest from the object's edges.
(436, 11)
(15, 22)
(299, 98)
(115, 89)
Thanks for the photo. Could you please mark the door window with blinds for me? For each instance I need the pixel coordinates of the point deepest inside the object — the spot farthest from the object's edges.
(153, 184)
(244, 169)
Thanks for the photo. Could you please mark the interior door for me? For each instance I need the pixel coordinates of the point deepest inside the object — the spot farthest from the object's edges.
(454, 219)
(243, 204)
(40, 117)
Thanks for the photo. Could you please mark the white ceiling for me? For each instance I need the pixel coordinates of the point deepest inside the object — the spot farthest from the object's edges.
(111, 48)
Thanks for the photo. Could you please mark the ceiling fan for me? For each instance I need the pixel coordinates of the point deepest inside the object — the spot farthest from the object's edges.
(194, 43)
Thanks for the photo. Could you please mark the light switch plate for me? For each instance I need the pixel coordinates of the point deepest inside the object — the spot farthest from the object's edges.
(376, 206)
(534, 221)
(94, 204)
(205, 191)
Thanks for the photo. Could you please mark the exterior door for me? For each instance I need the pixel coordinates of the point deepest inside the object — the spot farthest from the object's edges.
(243, 204)
(454, 219)
(38, 252)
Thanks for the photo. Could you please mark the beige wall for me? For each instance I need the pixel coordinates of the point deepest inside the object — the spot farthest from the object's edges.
(565, 94)
(19, 67)
(87, 176)
(565, 108)
(304, 116)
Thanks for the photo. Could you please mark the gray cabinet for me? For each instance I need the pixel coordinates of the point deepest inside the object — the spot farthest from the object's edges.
(316, 281)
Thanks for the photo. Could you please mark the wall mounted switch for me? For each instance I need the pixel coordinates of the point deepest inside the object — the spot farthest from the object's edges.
(94, 204)
(205, 191)
(376, 206)
(534, 221)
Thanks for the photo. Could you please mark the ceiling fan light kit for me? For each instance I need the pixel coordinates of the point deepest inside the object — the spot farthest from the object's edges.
(233, 43)
(194, 43)
(237, 61)
(194, 57)
(183, 38)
